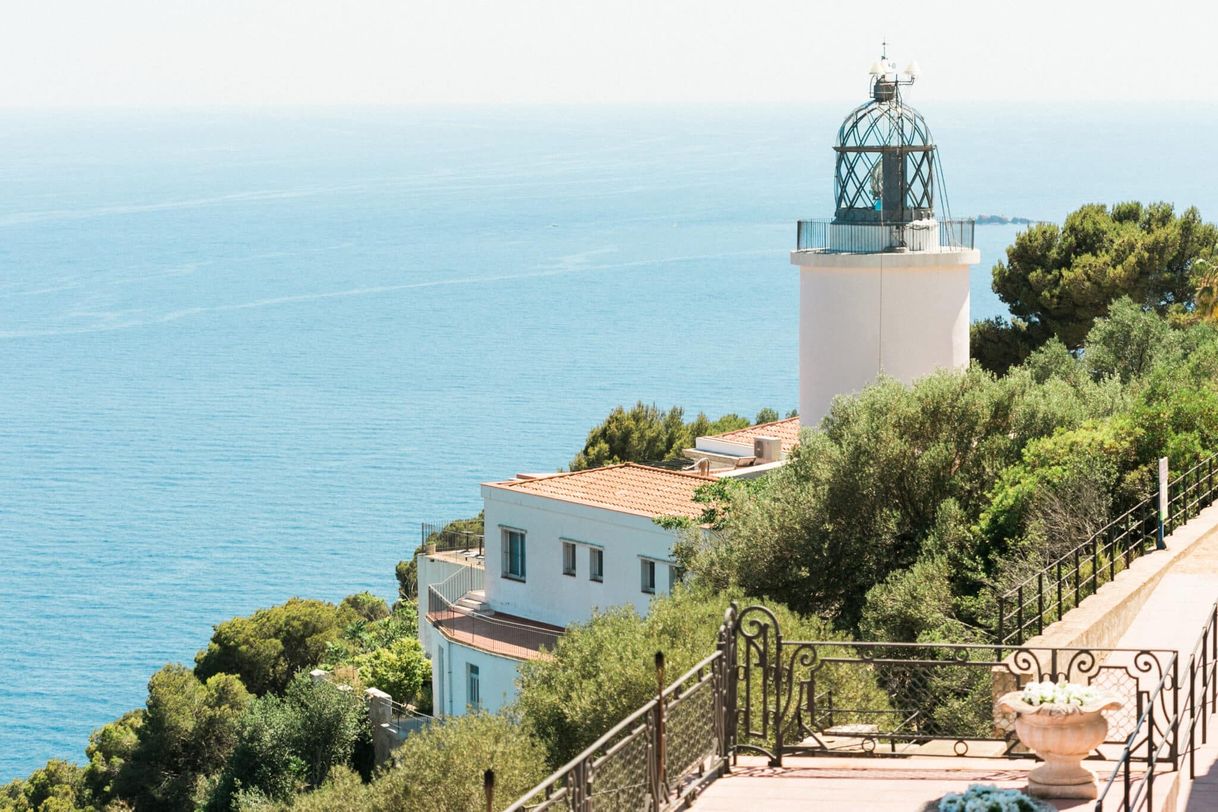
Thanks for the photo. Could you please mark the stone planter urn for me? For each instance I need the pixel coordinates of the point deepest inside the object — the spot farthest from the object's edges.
(1062, 733)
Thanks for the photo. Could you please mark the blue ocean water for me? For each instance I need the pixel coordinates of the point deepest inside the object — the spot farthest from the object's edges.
(244, 354)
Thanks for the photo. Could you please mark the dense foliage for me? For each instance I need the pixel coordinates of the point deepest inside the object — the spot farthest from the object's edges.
(441, 769)
(1057, 280)
(267, 648)
(940, 493)
(644, 433)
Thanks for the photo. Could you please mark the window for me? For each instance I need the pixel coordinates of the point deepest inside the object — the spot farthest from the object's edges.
(513, 554)
(596, 564)
(649, 576)
(473, 687)
(675, 576)
(568, 558)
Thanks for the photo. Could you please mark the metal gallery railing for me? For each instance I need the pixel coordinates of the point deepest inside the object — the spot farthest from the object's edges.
(447, 539)
(1164, 734)
(1027, 609)
(487, 632)
(867, 238)
(923, 693)
(657, 758)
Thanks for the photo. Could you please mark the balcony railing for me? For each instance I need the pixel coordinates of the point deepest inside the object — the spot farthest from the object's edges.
(447, 540)
(489, 632)
(870, 238)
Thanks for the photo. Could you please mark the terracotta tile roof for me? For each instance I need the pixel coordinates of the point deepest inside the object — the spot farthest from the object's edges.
(627, 488)
(787, 431)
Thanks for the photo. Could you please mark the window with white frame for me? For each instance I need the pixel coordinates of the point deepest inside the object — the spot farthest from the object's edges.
(596, 564)
(649, 576)
(513, 554)
(568, 558)
(473, 686)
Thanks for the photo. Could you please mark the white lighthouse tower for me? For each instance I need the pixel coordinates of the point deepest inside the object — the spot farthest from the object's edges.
(883, 286)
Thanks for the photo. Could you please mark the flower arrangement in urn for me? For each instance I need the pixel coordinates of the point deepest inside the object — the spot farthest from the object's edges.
(1062, 723)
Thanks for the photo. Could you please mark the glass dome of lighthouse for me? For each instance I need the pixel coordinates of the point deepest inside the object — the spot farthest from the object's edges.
(885, 156)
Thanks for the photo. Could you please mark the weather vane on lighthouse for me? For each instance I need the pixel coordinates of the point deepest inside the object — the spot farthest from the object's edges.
(884, 284)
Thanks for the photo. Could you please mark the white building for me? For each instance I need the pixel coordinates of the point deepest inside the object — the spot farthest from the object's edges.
(557, 548)
(884, 286)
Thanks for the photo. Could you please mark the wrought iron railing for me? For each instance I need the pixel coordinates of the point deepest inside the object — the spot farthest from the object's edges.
(868, 238)
(657, 758)
(1166, 733)
(1026, 609)
(447, 539)
(493, 633)
(928, 692)
(1189, 493)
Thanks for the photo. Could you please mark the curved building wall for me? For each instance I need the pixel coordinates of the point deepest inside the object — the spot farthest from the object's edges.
(900, 314)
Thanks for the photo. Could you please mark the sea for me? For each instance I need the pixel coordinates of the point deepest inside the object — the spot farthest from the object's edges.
(245, 353)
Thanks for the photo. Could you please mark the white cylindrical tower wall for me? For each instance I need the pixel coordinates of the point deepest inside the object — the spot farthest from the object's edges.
(901, 314)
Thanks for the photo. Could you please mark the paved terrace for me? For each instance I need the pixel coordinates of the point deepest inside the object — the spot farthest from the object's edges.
(1171, 618)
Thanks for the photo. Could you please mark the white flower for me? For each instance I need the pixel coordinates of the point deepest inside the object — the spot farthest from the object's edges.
(1061, 693)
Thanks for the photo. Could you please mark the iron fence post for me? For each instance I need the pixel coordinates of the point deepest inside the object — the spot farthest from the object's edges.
(1150, 758)
(1192, 717)
(1019, 617)
(1040, 602)
(1002, 608)
(778, 736)
(659, 789)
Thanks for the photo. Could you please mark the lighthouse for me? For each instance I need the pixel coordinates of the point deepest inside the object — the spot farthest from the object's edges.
(884, 285)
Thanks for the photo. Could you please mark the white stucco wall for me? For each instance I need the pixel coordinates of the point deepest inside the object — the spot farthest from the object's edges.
(547, 594)
(902, 314)
(431, 570)
(449, 680)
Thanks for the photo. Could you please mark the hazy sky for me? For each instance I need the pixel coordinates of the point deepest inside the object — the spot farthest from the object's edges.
(254, 52)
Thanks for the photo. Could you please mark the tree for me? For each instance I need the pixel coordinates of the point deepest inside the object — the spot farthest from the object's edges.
(189, 729)
(440, 768)
(642, 434)
(407, 574)
(645, 434)
(366, 605)
(399, 669)
(267, 648)
(110, 747)
(1129, 342)
(1059, 280)
(291, 743)
(57, 787)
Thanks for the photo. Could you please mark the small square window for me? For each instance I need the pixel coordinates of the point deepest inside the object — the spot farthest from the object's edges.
(473, 686)
(596, 564)
(568, 558)
(513, 554)
(649, 576)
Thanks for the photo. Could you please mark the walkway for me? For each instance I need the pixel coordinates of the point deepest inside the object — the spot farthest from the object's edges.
(871, 784)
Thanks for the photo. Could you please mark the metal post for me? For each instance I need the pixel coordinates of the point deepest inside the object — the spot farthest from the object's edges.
(661, 780)
(1164, 503)
(1040, 603)
(1019, 616)
(778, 694)
(488, 789)
(1192, 718)
(1002, 611)
(1150, 757)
